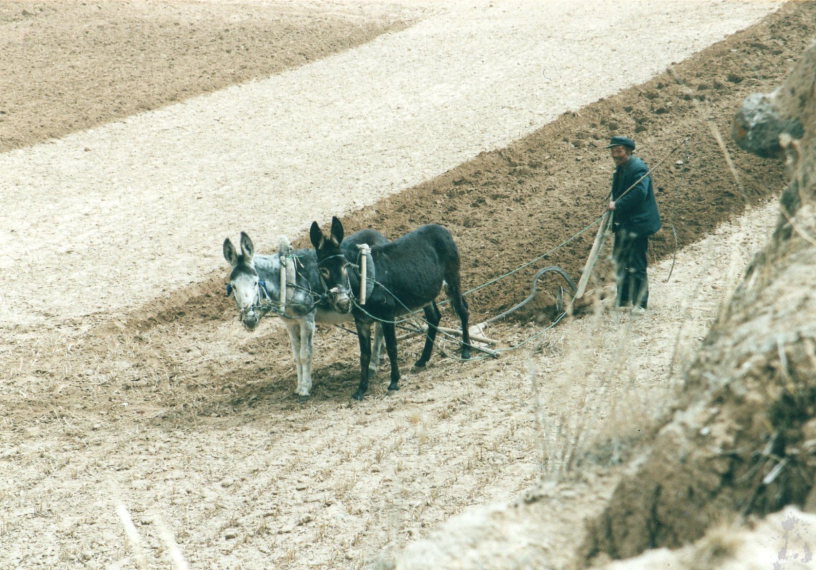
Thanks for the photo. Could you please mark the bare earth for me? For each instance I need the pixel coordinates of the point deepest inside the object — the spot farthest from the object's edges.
(136, 136)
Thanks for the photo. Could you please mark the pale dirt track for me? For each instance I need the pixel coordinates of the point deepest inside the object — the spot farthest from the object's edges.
(271, 155)
(188, 422)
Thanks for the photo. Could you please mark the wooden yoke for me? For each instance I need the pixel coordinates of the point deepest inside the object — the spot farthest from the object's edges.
(365, 251)
(287, 270)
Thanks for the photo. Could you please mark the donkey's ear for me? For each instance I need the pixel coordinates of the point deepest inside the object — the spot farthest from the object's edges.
(336, 230)
(247, 248)
(316, 235)
(229, 253)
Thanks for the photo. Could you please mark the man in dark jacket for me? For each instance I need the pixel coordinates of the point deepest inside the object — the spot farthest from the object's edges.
(635, 219)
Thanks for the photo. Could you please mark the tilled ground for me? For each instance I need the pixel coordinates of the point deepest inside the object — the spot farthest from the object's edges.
(175, 415)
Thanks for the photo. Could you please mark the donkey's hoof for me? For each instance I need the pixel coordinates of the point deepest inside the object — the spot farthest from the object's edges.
(420, 365)
(358, 395)
(465, 355)
(393, 386)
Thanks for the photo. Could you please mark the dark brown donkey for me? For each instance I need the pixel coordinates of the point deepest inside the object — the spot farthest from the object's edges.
(408, 275)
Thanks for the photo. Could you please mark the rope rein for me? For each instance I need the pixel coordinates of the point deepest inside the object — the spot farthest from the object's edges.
(410, 315)
(268, 305)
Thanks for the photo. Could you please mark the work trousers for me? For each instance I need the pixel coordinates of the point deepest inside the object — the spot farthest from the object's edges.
(629, 253)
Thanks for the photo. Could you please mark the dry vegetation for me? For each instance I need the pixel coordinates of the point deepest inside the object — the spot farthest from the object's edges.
(741, 441)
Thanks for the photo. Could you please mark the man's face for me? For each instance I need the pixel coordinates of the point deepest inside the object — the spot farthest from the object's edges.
(620, 154)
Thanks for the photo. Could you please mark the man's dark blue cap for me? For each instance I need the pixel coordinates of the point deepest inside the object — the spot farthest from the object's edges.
(621, 141)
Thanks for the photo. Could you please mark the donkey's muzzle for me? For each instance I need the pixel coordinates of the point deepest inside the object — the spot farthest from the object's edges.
(250, 320)
(340, 300)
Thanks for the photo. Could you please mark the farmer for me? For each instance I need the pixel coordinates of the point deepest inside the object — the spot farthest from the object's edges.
(635, 218)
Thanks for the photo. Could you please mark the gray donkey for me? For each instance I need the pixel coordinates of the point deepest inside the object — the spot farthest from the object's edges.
(255, 283)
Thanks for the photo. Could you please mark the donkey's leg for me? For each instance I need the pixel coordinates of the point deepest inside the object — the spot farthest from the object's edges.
(293, 328)
(307, 328)
(376, 356)
(390, 334)
(461, 308)
(364, 337)
(432, 317)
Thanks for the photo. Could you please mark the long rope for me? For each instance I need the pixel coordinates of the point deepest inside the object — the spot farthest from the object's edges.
(410, 314)
(572, 238)
(580, 232)
(547, 253)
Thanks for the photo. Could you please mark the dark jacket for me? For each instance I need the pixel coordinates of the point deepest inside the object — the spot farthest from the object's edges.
(635, 210)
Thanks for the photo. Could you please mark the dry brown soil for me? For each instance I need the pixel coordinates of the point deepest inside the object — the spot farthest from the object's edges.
(70, 68)
(177, 417)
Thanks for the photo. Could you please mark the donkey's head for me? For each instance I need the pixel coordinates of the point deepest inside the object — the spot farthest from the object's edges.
(332, 265)
(244, 283)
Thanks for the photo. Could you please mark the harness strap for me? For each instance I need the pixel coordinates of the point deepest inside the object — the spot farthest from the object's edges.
(319, 263)
(370, 272)
(267, 304)
(264, 290)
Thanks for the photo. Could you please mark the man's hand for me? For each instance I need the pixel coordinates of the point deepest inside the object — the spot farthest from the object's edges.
(611, 206)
